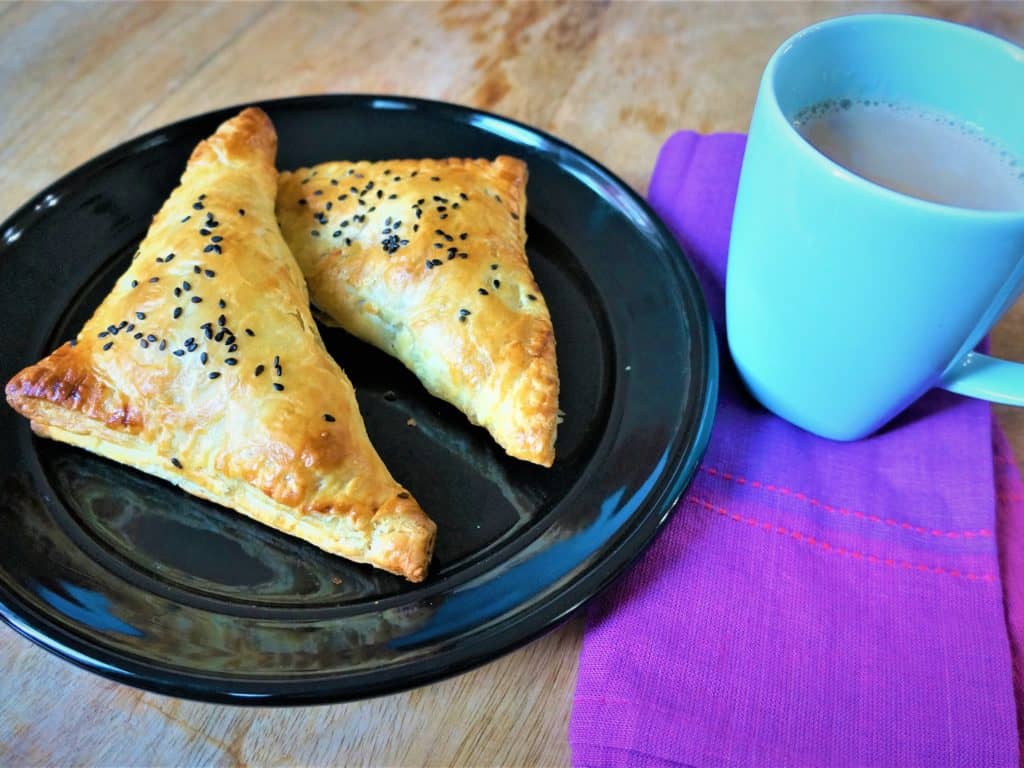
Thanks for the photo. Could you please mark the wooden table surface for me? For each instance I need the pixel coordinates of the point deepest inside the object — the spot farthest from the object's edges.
(613, 79)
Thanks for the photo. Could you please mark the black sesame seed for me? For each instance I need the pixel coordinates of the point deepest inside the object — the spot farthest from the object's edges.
(259, 370)
(108, 345)
(531, 297)
(463, 255)
(150, 338)
(209, 272)
(463, 195)
(214, 375)
(112, 329)
(443, 216)
(430, 264)
(204, 232)
(186, 285)
(186, 219)
(178, 352)
(348, 241)
(203, 358)
(221, 303)
(220, 335)
(122, 324)
(435, 178)
(318, 192)
(328, 417)
(233, 348)
(202, 196)
(497, 283)
(197, 206)
(216, 239)
(455, 206)
(464, 312)
(380, 193)
(154, 279)
(102, 334)
(177, 291)
(143, 343)
(342, 197)
(392, 197)
(302, 201)
(176, 313)
(344, 223)
(163, 345)
(278, 387)
(211, 249)
(196, 269)
(73, 342)
(230, 361)
(190, 341)
(438, 246)
(221, 320)
(462, 318)
(314, 233)
(437, 262)
(482, 291)
(168, 257)
(241, 211)
(196, 299)
(134, 283)
(208, 333)
(129, 328)
(137, 336)
(248, 332)
(515, 216)
(277, 361)
(494, 266)
(334, 182)
(176, 463)
(463, 236)
(140, 315)
(337, 233)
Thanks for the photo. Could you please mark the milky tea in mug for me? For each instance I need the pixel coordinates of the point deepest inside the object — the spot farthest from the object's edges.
(849, 291)
(917, 152)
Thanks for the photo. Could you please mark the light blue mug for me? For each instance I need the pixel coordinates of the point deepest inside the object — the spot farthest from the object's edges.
(846, 301)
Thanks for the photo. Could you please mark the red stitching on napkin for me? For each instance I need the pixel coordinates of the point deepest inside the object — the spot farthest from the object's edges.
(983, 532)
(841, 551)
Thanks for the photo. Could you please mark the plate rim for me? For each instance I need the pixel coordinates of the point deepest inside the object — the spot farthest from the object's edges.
(549, 613)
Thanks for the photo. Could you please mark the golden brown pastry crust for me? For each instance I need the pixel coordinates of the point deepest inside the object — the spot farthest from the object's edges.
(426, 260)
(206, 368)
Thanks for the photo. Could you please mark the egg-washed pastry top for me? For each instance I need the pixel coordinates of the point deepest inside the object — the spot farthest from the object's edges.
(426, 260)
(203, 366)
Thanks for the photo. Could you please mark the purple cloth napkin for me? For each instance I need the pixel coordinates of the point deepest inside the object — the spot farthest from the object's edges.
(810, 603)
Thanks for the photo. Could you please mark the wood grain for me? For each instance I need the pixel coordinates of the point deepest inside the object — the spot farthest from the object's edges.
(613, 79)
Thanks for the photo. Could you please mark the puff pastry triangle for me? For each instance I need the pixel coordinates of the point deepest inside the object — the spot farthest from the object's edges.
(203, 366)
(426, 260)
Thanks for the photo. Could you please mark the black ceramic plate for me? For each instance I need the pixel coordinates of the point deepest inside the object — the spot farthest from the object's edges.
(125, 575)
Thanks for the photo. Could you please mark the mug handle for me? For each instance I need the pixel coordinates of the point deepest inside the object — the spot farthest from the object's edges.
(986, 378)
